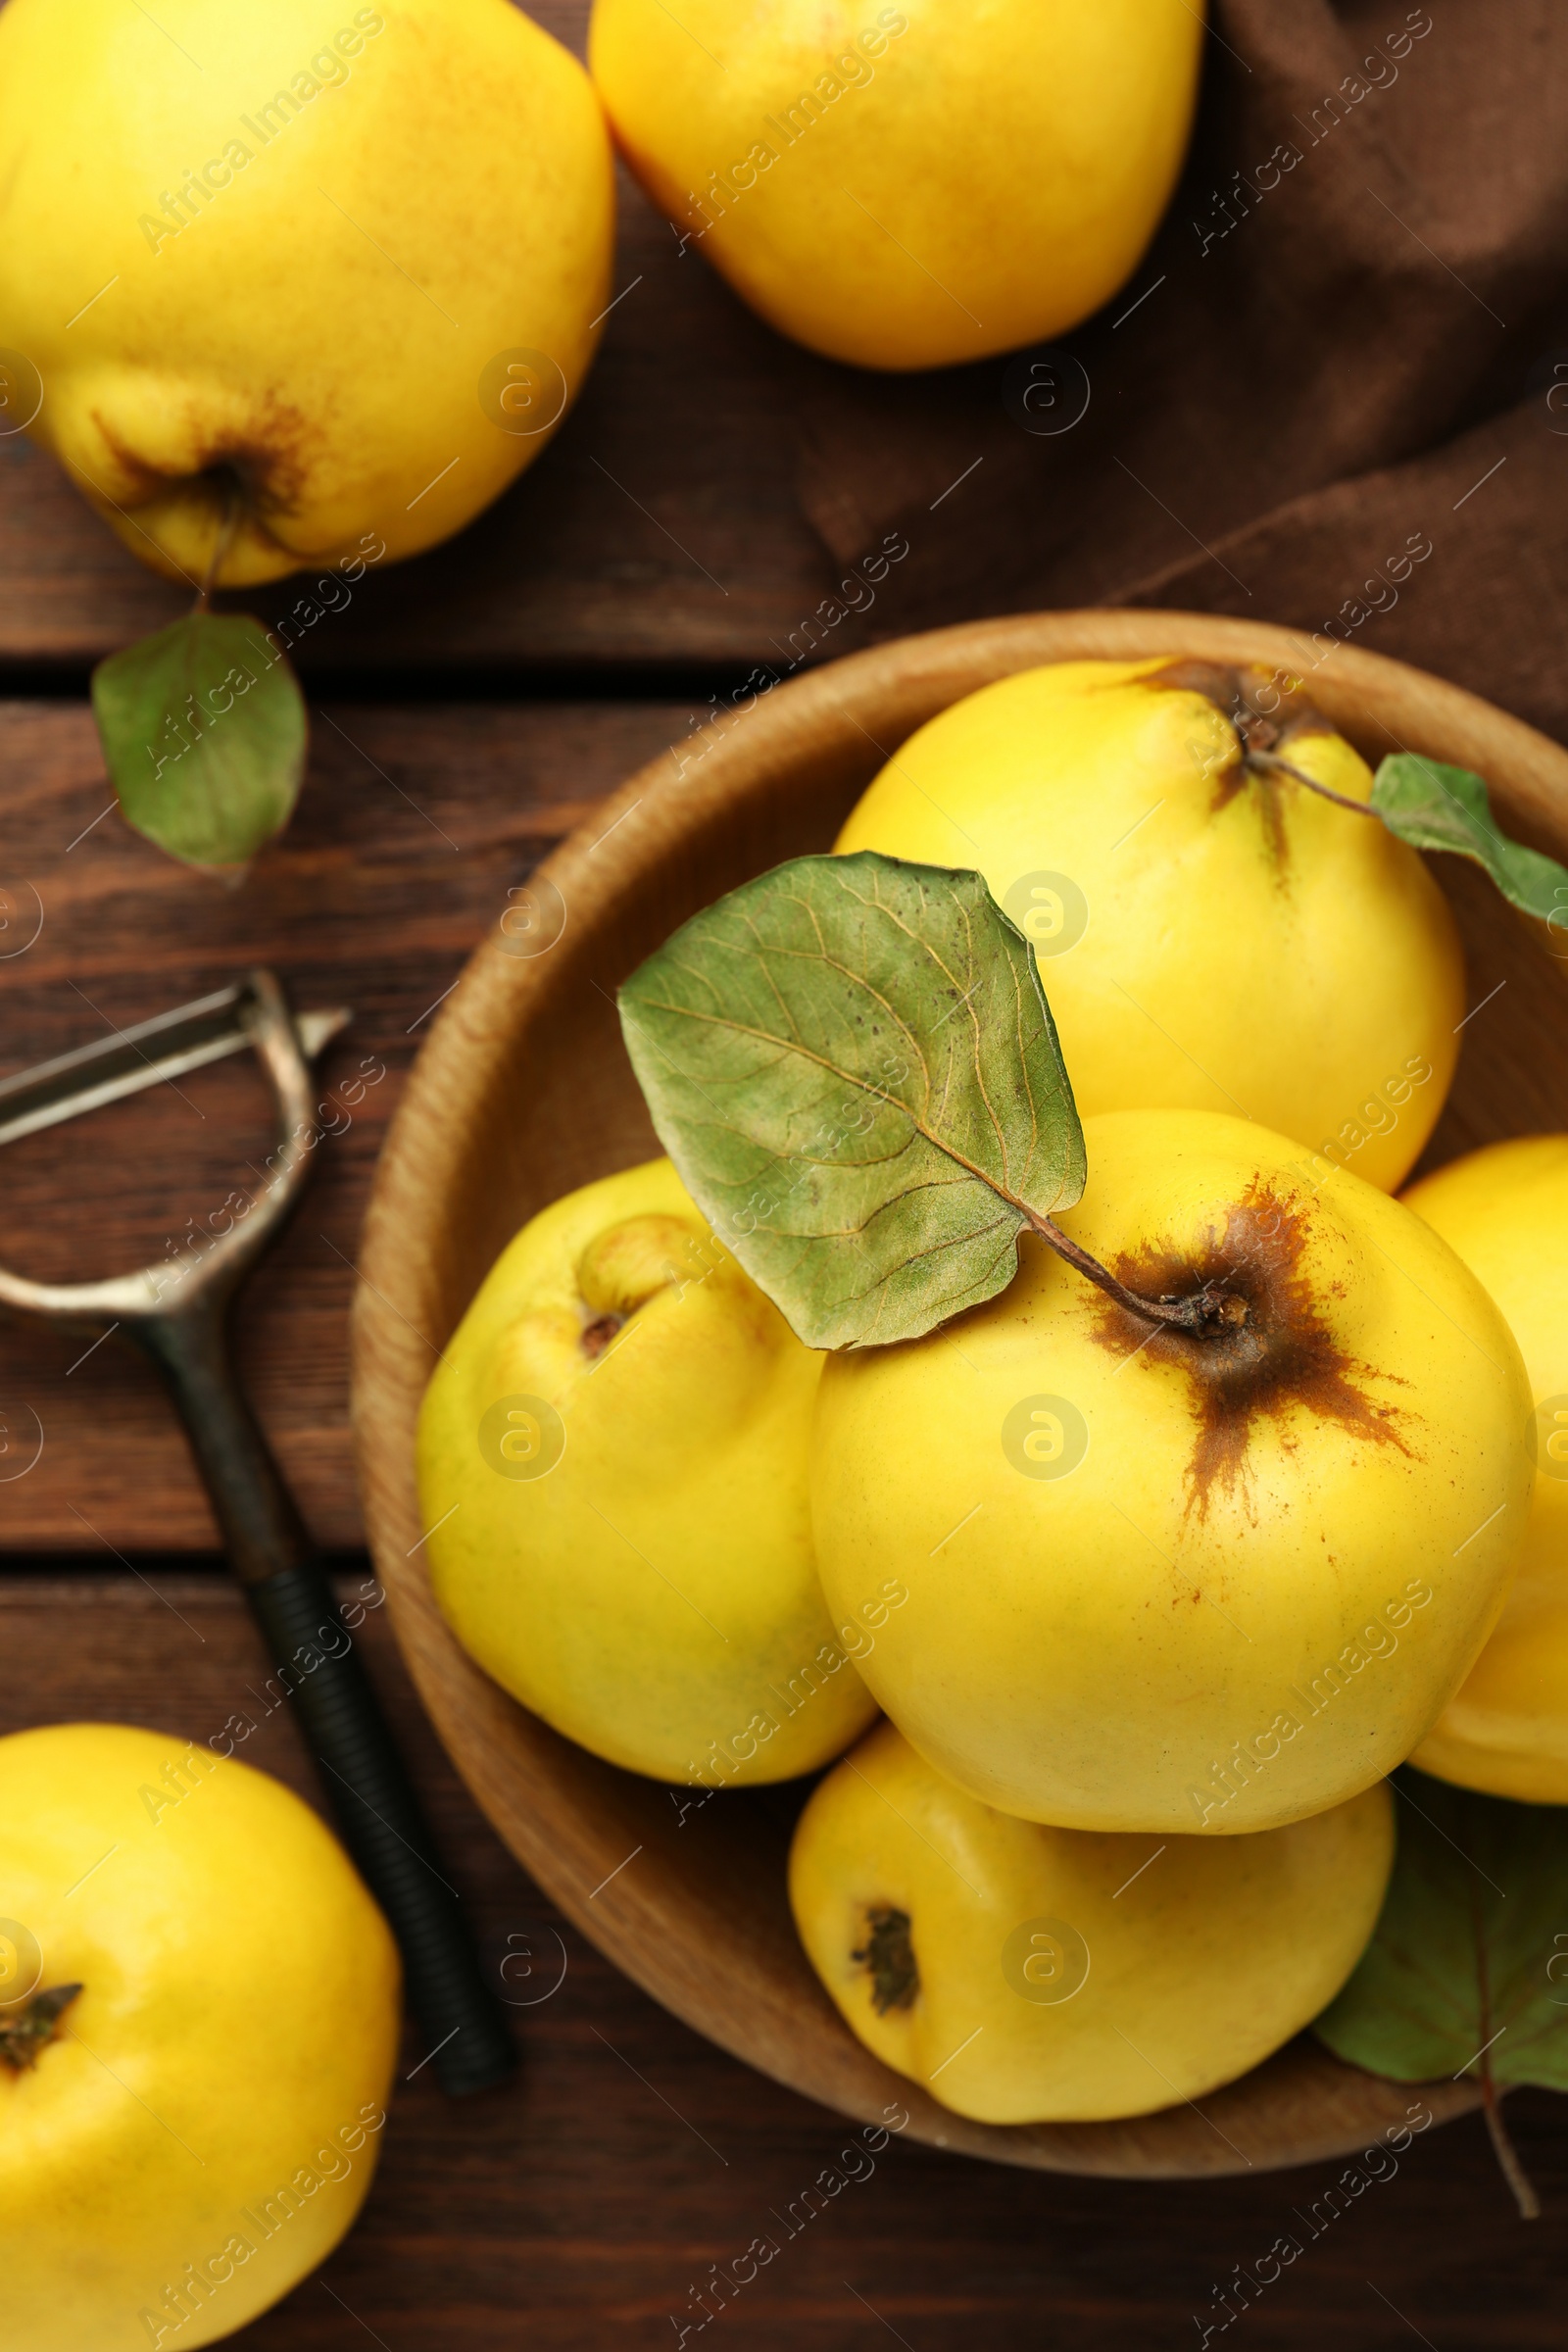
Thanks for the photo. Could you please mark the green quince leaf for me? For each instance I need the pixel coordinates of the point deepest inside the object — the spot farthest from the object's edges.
(1467, 1970)
(853, 1065)
(1434, 807)
(1471, 1947)
(204, 733)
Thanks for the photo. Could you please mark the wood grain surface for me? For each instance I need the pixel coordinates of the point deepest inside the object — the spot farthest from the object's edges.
(578, 2208)
(702, 498)
(414, 825)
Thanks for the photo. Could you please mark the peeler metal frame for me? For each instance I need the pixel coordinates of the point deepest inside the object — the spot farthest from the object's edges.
(178, 1315)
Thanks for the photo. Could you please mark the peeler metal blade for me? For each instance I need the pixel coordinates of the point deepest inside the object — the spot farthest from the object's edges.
(123, 1063)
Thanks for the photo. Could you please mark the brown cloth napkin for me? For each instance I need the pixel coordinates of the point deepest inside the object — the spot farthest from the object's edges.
(1349, 342)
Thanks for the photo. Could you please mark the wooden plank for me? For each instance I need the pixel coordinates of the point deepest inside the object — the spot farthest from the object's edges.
(584, 2203)
(413, 824)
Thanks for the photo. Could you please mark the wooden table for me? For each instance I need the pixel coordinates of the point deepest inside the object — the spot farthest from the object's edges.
(580, 2207)
(468, 708)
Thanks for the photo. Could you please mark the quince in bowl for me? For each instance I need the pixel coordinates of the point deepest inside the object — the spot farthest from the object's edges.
(524, 1093)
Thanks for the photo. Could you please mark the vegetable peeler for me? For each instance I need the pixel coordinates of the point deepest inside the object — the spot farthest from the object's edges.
(178, 1315)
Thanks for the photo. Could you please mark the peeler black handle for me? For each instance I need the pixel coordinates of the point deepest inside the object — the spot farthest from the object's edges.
(315, 1655)
(383, 1824)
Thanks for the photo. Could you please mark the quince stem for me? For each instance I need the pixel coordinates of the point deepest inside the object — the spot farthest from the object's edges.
(1204, 1315)
(24, 2034)
(221, 545)
(1342, 800)
(1507, 2155)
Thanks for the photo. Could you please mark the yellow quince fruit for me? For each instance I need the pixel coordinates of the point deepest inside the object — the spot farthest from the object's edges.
(199, 2015)
(910, 186)
(1179, 1583)
(1032, 1974)
(1212, 933)
(1505, 1211)
(289, 287)
(612, 1461)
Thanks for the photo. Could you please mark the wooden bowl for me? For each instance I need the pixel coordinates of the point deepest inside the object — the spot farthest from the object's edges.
(523, 1091)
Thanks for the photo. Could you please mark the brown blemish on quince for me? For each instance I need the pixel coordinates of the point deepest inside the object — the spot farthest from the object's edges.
(25, 2031)
(1268, 710)
(888, 1957)
(1280, 1355)
(266, 464)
